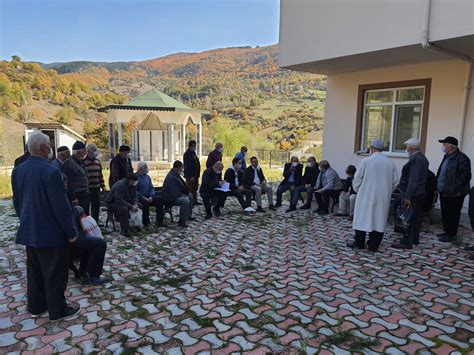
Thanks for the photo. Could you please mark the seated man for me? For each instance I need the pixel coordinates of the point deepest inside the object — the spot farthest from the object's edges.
(146, 195)
(347, 197)
(328, 185)
(175, 193)
(291, 179)
(310, 176)
(91, 253)
(212, 180)
(254, 180)
(121, 199)
(234, 176)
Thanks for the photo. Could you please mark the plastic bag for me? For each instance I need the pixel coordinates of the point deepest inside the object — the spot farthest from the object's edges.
(136, 218)
(90, 226)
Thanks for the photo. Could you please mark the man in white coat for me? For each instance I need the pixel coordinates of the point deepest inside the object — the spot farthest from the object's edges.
(374, 182)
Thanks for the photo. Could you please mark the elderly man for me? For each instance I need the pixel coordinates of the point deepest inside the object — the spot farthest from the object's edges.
(215, 155)
(212, 180)
(292, 173)
(328, 185)
(413, 186)
(77, 176)
(234, 176)
(454, 175)
(192, 170)
(348, 196)
(122, 199)
(120, 165)
(175, 193)
(146, 195)
(63, 155)
(255, 181)
(96, 179)
(46, 229)
(374, 182)
(241, 156)
(311, 173)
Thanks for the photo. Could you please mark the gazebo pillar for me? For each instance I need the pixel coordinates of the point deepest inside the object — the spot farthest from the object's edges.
(120, 134)
(171, 144)
(183, 139)
(112, 147)
(200, 138)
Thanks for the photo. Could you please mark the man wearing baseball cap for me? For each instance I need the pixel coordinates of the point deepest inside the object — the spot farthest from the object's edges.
(454, 175)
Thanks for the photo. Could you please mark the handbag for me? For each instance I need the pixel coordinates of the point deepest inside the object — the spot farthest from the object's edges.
(136, 218)
(403, 217)
(90, 226)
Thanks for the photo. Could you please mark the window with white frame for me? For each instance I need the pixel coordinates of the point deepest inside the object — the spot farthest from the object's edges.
(393, 115)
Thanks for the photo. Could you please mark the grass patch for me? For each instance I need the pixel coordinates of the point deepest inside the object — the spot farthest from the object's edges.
(202, 321)
(173, 281)
(339, 336)
(248, 267)
(138, 313)
(138, 280)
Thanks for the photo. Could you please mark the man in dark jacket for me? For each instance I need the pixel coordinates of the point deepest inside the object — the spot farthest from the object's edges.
(46, 229)
(347, 197)
(120, 165)
(255, 181)
(309, 178)
(212, 180)
(77, 176)
(454, 175)
(192, 170)
(123, 198)
(62, 156)
(413, 188)
(175, 193)
(215, 155)
(23, 158)
(292, 173)
(234, 176)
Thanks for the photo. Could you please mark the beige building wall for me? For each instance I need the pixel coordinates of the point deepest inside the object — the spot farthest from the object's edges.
(447, 87)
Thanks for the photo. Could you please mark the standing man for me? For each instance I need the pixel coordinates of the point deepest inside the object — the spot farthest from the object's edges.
(96, 179)
(292, 173)
(120, 165)
(454, 175)
(413, 187)
(328, 185)
(255, 181)
(63, 155)
(21, 159)
(212, 180)
(46, 229)
(311, 173)
(77, 177)
(374, 181)
(192, 170)
(241, 156)
(215, 155)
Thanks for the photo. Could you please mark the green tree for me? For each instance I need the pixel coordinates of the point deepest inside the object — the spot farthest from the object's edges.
(65, 115)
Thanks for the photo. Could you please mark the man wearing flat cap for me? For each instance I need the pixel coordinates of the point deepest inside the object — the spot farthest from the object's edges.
(120, 165)
(413, 186)
(77, 177)
(454, 175)
(63, 154)
(374, 181)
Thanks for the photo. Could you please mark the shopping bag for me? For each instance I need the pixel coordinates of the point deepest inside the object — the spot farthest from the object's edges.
(90, 226)
(402, 220)
(136, 218)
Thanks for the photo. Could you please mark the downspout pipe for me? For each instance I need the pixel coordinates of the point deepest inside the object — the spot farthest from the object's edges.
(425, 43)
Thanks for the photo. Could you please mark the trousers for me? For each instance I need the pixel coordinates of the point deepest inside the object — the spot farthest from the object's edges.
(259, 190)
(451, 213)
(375, 238)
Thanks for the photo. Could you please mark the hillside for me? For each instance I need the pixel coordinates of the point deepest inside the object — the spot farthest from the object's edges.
(241, 84)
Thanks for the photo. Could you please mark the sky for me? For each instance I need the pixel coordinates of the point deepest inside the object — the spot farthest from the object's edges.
(128, 30)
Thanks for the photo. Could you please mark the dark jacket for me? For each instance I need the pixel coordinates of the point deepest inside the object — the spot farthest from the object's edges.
(249, 176)
(58, 164)
(173, 187)
(430, 191)
(229, 176)
(212, 158)
(310, 175)
(458, 174)
(41, 203)
(298, 172)
(77, 177)
(347, 185)
(471, 207)
(192, 166)
(122, 194)
(119, 169)
(210, 180)
(21, 159)
(414, 175)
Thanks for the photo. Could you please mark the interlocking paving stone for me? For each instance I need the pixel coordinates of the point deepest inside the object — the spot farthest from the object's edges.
(250, 283)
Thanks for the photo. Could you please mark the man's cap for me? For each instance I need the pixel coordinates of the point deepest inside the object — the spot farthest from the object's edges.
(132, 177)
(377, 144)
(413, 142)
(124, 148)
(450, 140)
(78, 145)
(62, 148)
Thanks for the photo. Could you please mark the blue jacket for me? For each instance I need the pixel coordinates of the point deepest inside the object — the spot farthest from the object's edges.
(241, 156)
(145, 187)
(41, 203)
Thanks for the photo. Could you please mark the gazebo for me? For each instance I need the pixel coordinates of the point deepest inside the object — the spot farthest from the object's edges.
(160, 135)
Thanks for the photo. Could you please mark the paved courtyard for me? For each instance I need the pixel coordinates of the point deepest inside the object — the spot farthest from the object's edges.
(266, 283)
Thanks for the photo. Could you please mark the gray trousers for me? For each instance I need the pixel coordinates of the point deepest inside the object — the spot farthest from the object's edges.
(185, 204)
(297, 194)
(258, 190)
(347, 200)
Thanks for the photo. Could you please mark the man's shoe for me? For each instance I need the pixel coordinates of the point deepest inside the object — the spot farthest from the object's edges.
(305, 207)
(197, 204)
(208, 216)
(126, 233)
(191, 218)
(353, 245)
(317, 210)
(271, 207)
(291, 209)
(323, 213)
(160, 224)
(351, 218)
(40, 314)
(400, 245)
(277, 205)
(446, 239)
(97, 280)
(182, 224)
(69, 312)
(260, 209)
(249, 210)
(340, 214)
(441, 235)
(217, 211)
(469, 248)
